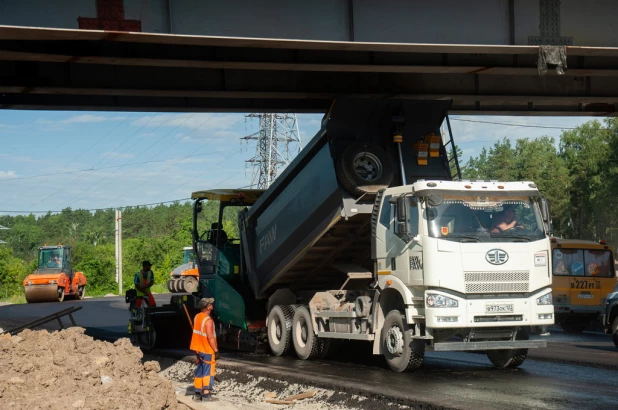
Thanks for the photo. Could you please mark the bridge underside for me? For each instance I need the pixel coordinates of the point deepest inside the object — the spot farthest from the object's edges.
(59, 69)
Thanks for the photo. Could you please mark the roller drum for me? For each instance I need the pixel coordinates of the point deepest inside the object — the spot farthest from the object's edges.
(43, 293)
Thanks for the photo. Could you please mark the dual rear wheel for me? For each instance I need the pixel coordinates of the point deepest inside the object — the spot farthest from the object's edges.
(290, 327)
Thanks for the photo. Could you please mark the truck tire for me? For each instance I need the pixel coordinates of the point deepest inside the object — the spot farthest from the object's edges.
(306, 343)
(364, 169)
(615, 331)
(509, 358)
(280, 329)
(402, 352)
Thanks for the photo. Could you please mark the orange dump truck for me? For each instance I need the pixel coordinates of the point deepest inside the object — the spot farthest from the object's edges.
(54, 279)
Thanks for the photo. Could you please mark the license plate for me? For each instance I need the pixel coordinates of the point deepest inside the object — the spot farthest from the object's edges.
(584, 296)
(507, 308)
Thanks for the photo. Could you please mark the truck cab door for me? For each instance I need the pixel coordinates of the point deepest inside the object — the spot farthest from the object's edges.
(405, 255)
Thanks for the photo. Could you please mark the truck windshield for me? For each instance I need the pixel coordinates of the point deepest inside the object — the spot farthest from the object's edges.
(50, 258)
(485, 219)
(188, 256)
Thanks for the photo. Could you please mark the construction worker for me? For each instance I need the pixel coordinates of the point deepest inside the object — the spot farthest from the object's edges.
(204, 344)
(144, 279)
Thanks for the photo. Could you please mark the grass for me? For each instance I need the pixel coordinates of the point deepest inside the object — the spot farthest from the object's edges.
(15, 299)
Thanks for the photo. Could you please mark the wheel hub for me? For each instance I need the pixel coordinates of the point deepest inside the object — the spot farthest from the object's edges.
(367, 166)
(394, 341)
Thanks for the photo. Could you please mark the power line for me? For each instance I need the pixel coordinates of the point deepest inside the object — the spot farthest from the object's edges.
(200, 147)
(556, 127)
(107, 167)
(100, 209)
(81, 195)
(74, 159)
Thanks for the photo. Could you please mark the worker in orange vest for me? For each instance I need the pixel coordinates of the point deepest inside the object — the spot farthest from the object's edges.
(204, 344)
(144, 279)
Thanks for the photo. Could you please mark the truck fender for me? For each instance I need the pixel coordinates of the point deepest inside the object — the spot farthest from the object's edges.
(394, 296)
(281, 297)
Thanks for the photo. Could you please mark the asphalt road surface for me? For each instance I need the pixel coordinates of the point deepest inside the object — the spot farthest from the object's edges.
(573, 372)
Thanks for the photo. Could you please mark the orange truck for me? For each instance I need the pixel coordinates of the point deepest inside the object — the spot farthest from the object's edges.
(583, 274)
(185, 277)
(54, 279)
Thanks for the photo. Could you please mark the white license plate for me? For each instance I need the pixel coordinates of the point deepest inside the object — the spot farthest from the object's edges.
(507, 308)
(584, 296)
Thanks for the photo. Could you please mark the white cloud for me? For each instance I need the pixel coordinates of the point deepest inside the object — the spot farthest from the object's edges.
(7, 174)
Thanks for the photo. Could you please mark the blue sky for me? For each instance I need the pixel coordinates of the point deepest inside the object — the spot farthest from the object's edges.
(50, 160)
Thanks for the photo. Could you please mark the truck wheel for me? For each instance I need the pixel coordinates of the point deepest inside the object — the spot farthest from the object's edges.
(507, 359)
(306, 343)
(190, 284)
(402, 353)
(615, 331)
(280, 329)
(364, 169)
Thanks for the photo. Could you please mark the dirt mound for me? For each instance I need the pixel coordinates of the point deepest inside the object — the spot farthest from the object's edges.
(69, 370)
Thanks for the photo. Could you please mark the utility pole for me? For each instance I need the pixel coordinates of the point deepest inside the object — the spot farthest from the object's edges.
(278, 142)
(118, 239)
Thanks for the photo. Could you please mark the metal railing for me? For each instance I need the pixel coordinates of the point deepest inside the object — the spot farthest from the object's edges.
(41, 321)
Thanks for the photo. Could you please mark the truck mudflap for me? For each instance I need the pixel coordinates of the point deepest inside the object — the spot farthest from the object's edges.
(491, 345)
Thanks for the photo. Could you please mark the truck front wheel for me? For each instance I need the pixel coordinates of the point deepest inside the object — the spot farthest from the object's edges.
(280, 329)
(507, 359)
(306, 343)
(401, 351)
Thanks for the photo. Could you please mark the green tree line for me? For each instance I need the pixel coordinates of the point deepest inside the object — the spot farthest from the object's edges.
(578, 174)
(157, 234)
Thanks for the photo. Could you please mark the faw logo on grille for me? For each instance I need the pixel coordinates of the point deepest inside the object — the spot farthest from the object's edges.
(496, 256)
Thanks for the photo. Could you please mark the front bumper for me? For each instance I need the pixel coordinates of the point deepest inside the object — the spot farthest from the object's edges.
(477, 312)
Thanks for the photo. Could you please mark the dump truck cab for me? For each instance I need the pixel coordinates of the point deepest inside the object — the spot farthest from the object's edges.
(54, 279)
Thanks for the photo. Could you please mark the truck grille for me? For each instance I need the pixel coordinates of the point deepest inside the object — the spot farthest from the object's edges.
(497, 282)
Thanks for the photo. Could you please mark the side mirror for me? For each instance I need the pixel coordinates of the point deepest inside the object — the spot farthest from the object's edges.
(198, 207)
(434, 200)
(545, 214)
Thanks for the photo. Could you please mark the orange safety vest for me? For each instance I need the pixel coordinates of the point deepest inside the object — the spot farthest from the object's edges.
(199, 340)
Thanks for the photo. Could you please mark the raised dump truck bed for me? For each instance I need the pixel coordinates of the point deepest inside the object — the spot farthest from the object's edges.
(313, 225)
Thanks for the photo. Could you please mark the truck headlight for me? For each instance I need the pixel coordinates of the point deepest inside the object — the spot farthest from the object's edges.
(544, 300)
(440, 301)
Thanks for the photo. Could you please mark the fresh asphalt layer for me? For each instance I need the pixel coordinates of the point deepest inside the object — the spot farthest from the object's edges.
(573, 372)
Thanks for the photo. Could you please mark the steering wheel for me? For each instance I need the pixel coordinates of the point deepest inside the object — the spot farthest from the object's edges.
(202, 235)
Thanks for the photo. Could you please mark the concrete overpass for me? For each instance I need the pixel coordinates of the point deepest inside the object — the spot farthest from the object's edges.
(190, 55)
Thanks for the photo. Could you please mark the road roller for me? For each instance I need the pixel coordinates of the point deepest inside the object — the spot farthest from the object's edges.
(184, 278)
(54, 279)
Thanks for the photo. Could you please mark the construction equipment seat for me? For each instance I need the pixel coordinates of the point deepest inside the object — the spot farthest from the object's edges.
(214, 232)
